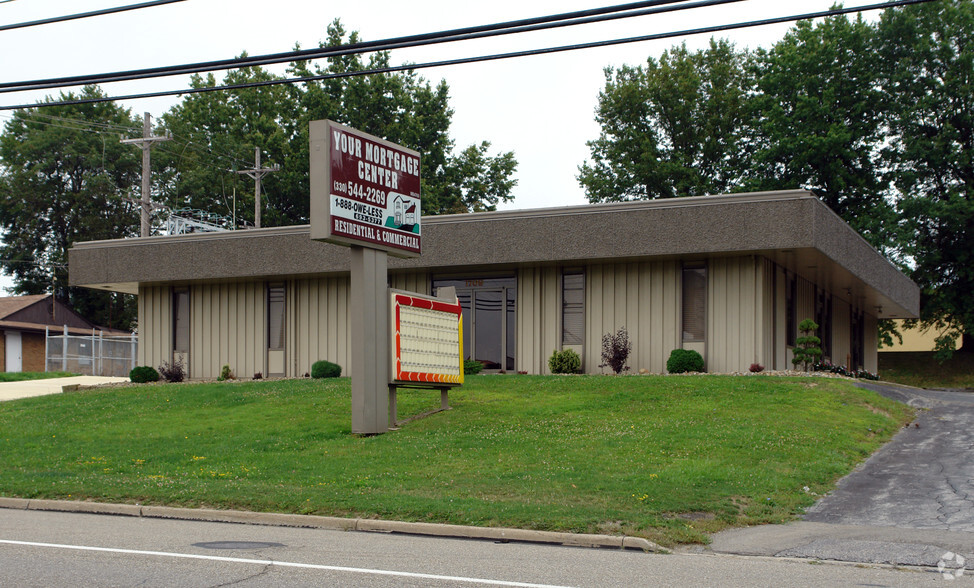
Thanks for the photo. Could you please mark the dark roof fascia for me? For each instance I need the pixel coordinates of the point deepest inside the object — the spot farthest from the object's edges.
(764, 223)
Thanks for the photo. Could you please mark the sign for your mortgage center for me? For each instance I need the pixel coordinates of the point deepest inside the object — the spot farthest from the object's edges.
(364, 190)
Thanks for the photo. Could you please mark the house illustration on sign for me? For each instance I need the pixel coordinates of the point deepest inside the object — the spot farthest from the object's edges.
(404, 211)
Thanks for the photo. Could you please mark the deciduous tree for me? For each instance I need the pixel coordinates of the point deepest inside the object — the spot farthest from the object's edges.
(670, 128)
(927, 53)
(66, 178)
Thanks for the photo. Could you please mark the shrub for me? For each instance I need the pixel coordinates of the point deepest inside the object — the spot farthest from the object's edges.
(173, 372)
(564, 362)
(144, 373)
(225, 373)
(258, 376)
(756, 368)
(807, 351)
(615, 350)
(682, 361)
(325, 369)
(472, 366)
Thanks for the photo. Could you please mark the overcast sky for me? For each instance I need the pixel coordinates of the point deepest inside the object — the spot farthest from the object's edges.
(540, 107)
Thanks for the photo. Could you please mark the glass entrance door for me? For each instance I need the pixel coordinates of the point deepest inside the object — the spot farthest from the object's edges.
(488, 319)
(487, 322)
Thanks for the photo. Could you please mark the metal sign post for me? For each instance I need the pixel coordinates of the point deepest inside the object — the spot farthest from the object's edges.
(365, 194)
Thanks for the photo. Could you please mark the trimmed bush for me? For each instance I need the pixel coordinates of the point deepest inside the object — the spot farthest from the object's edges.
(564, 362)
(472, 366)
(225, 374)
(173, 372)
(325, 369)
(682, 361)
(144, 373)
(807, 351)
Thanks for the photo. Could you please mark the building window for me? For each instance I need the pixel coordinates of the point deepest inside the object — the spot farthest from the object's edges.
(858, 338)
(572, 307)
(694, 304)
(275, 316)
(180, 320)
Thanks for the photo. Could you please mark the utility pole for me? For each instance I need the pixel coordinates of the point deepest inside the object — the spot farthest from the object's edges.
(146, 143)
(256, 174)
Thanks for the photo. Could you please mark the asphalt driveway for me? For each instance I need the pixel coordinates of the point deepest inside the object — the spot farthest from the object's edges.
(911, 503)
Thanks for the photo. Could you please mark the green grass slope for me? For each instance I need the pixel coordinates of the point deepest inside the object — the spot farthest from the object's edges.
(667, 458)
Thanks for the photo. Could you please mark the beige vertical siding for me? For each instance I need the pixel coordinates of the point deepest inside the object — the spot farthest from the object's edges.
(537, 315)
(644, 298)
(870, 356)
(734, 336)
(767, 322)
(321, 324)
(228, 327)
(418, 282)
(155, 325)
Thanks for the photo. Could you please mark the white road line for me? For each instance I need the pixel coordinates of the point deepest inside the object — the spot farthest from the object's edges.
(265, 562)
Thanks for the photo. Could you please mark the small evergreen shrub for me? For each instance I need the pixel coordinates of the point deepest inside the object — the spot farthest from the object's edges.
(615, 350)
(173, 372)
(225, 374)
(682, 361)
(325, 369)
(807, 351)
(564, 362)
(472, 366)
(143, 373)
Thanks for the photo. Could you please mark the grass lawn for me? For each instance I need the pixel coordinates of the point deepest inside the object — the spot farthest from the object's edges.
(667, 458)
(922, 370)
(21, 376)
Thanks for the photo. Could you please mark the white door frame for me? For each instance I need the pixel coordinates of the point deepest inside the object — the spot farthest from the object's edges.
(13, 344)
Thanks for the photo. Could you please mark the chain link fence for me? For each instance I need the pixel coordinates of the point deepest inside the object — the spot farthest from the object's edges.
(91, 355)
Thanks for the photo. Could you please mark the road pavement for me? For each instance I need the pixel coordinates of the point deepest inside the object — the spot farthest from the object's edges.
(54, 549)
(911, 503)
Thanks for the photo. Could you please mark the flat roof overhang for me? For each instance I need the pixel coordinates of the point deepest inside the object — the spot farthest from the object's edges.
(792, 228)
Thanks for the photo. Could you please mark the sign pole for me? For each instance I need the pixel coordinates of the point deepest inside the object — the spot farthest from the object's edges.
(370, 332)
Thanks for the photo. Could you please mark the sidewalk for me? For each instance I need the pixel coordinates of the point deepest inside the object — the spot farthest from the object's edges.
(29, 388)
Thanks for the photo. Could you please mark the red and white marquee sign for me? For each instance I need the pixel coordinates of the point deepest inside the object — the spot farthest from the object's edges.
(427, 340)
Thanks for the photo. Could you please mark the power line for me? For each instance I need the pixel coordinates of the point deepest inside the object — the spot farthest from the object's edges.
(643, 8)
(113, 130)
(494, 57)
(44, 21)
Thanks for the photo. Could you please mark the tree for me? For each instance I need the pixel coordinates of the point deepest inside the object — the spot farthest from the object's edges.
(215, 134)
(807, 351)
(928, 56)
(65, 178)
(671, 128)
(816, 122)
(219, 130)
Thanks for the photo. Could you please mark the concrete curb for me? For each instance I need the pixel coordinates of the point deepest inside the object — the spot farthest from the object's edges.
(336, 523)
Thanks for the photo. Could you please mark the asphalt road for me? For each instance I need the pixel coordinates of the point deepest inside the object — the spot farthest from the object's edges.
(911, 503)
(53, 549)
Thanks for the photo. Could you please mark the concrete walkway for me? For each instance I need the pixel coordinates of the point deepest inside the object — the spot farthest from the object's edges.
(29, 388)
(911, 503)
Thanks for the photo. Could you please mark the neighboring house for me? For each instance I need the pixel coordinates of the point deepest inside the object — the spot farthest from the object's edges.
(730, 276)
(916, 339)
(23, 323)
